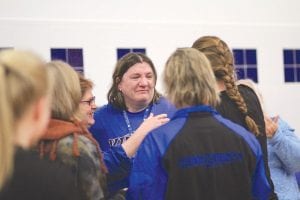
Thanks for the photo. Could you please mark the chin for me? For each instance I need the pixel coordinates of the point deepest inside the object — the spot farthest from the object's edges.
(145, 98)
(91, 122)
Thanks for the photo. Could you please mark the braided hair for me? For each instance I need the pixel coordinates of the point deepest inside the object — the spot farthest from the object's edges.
(222, 62)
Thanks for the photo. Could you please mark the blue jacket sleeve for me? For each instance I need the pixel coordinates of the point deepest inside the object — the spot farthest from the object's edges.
(260, 185)
(119, 166)
(286, 145)
(147, 179)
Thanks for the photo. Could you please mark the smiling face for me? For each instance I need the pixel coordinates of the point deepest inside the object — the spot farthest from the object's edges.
(137, 86)
(87, 107)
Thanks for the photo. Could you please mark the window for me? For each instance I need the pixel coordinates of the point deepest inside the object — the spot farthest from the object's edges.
(246, 63)
(123, 51)
(291, 61)
(72, 56)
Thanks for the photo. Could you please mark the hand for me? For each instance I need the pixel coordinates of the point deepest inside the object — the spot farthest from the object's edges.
(271, 126)
(131, 145)
(153, 122)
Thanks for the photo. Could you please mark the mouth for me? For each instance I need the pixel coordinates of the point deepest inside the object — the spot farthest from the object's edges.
(143, 91)
(91, 115)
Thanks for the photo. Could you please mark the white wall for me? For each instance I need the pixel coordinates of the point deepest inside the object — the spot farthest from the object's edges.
(99, 27)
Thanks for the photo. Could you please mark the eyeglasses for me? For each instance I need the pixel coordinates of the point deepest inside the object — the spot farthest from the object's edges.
(90, 101)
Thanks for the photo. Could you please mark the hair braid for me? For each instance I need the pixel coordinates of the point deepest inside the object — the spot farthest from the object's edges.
(221, 59)
(234, 94)
(232, 89)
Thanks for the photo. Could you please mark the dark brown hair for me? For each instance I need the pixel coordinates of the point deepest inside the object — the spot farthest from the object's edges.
(114, 96)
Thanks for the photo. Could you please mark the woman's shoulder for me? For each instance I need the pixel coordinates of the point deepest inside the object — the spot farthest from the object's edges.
(164, 105)
(247, 92)
(81, 142)
(104, 110)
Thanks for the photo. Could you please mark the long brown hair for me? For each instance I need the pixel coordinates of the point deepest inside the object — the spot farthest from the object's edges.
(222, 62)
(114, 96)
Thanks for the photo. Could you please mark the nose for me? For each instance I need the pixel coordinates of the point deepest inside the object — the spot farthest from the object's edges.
(93, 105)
(143, 81)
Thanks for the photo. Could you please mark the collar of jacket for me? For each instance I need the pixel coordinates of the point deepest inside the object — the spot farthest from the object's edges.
(58, 129)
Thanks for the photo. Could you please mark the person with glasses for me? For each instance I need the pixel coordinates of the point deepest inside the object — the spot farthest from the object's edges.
(87, 104)
(91, 107)
(67, 140)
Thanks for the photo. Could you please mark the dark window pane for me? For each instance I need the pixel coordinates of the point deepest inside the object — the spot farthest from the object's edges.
(251, 57)
(298, 75)
(122, 52)
(58, 54)
(238, 56)
(252, 74)
(289, 74)
(140, 50)
(288, 56)
(297, 56)
(240, 71)
(75, 57)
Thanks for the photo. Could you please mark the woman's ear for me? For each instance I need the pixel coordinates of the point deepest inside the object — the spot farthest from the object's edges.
(118, 82)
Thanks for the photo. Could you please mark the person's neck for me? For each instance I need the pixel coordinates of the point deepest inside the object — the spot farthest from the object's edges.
(136, 108)
(23, 133)
(221, 85)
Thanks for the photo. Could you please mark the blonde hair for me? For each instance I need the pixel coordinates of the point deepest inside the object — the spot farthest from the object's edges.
(222, 62)
(66, 91)
(189, 79)
(23, 80)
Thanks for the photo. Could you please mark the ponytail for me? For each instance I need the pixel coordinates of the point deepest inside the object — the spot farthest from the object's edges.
(23, 80)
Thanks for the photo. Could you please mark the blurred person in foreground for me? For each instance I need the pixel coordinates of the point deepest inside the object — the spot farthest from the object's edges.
(25, 99)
